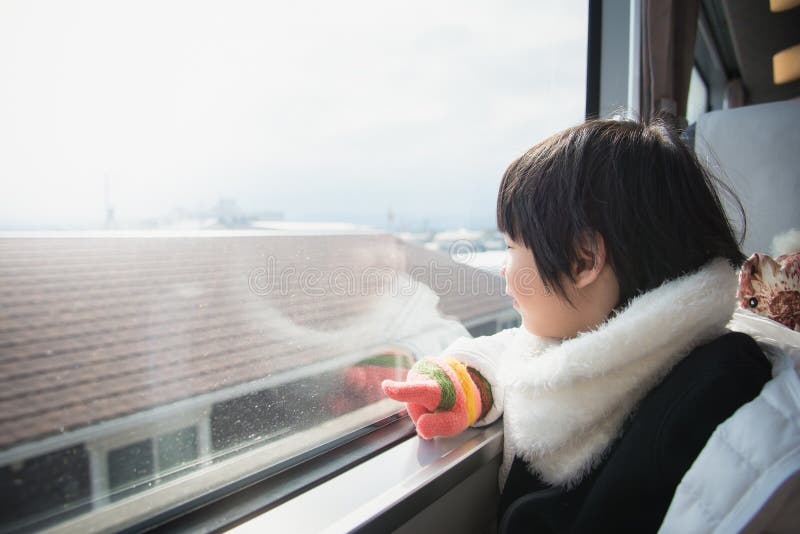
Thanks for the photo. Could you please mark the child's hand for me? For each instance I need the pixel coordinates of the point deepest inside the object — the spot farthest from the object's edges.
(440, 395)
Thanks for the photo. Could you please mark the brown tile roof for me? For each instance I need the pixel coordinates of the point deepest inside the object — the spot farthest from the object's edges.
(96, 328)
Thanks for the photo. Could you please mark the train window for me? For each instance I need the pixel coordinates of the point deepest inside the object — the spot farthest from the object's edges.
(697, 102)
(218, 228)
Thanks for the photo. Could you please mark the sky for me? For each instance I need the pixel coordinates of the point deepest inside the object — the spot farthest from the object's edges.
(321, 111)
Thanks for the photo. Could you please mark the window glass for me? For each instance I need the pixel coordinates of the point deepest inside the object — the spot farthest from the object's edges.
(177, 448)
(223, 224)
(697, 102)
(128, 466)
(42, 484)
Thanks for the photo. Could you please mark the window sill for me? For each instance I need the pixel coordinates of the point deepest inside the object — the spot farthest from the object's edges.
(219, 494)
(387, 490)
(375, 481)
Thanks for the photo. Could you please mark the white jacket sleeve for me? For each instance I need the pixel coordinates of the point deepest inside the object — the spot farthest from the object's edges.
(754, 455)
(484, 353)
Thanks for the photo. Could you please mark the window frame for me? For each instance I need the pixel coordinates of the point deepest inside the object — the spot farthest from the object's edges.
(263, 484)
(422, 474)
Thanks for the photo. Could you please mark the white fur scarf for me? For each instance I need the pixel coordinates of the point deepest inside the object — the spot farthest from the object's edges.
(566, 401)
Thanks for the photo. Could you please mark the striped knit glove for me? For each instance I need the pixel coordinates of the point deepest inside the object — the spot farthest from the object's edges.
(442, 395)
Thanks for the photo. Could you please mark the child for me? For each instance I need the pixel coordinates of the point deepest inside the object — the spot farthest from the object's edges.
(621, 263)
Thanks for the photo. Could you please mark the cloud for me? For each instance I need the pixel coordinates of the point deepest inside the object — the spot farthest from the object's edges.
(181, 102)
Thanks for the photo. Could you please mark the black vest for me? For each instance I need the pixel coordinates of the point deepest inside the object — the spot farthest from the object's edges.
(631, 489)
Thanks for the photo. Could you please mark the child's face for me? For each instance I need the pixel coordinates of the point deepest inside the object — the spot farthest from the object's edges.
(543, 312)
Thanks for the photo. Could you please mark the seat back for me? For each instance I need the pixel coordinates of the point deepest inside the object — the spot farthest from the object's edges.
(755, 150)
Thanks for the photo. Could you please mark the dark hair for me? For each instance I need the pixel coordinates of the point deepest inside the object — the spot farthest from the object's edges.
(637, 185)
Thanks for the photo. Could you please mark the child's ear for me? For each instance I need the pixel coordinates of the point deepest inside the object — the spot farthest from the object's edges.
(591, 260)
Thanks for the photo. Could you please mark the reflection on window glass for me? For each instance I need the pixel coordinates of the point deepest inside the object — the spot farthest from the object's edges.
(128, 466)
(177, 448)
(42, 485)
(217, 240)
